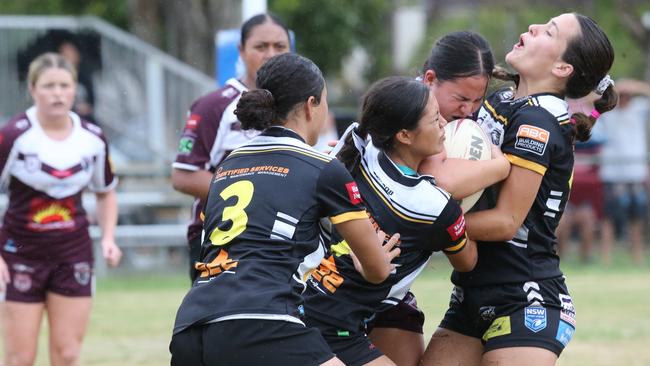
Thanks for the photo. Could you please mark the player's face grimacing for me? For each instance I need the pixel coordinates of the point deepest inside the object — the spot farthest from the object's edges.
(429, 136)
(461, 97)
(53, 92)
(540, 49)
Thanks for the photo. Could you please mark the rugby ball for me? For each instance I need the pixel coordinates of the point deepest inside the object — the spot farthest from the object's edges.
(465, 139)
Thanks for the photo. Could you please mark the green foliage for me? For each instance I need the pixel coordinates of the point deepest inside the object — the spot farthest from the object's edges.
(114, 11)
(326, 31)
(502, 28)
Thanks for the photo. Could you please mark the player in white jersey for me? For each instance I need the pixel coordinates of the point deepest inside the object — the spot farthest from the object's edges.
(48, 156)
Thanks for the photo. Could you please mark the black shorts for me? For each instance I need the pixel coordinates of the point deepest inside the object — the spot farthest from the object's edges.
(249, 342)
(353, 348)
(405, 316)
(532, 314)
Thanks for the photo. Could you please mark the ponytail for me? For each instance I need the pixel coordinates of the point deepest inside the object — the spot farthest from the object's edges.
(503, 74)
(583, 123)
(350, 155)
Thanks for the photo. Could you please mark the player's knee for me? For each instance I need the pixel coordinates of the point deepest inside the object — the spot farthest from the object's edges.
(20, 358)
(67, 355)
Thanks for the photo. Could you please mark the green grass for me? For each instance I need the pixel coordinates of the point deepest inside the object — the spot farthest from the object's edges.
(132, 316)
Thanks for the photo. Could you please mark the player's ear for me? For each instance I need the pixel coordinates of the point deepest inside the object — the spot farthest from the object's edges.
(429, 77)
(310, 104)
(403, 136)
(562, 69)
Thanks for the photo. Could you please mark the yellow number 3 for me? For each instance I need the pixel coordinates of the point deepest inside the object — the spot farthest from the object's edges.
(243, 190)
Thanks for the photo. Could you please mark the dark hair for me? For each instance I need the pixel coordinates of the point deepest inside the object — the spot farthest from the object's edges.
(591, 55)
(460, 54)
(283, 82)
(259, 19)
(390, 105)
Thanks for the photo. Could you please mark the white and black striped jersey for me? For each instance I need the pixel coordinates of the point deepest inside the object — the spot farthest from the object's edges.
(534, 133)
(413, 206)
(262, 229)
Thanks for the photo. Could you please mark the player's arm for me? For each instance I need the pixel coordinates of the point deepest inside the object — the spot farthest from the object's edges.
(374, 258)
(516, 197)
(107, 219)
(464, 259)
(462, 178)
(195, 183)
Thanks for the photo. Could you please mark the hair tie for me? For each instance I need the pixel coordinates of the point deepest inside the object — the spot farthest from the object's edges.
(595, 113)
(572, 121)
(603, 84)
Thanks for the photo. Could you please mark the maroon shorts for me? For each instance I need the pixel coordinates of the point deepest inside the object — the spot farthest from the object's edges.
(31, 279)
(405, 315)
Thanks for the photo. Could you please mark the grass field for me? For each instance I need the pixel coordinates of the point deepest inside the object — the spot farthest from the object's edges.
(132, 316)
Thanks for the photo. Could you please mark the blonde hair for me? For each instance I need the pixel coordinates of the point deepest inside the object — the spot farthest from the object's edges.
(47, 61)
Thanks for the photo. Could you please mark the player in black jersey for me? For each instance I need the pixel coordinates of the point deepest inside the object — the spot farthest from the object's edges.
(262, 231)
(457, 71)
(402, 117)
(514, 307)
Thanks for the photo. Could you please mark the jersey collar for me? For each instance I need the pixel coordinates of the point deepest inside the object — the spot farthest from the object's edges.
(280, 131)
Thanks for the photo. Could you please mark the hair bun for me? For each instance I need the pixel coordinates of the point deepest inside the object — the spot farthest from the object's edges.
(256, 109)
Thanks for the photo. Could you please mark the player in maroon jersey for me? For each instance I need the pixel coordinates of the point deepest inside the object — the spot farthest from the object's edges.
(48, 156)
(212, 130)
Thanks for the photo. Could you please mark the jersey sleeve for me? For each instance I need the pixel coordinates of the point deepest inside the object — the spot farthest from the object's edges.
(531, 138)
(338, 194)
(199, 136)
(103, 178)
(449, 229)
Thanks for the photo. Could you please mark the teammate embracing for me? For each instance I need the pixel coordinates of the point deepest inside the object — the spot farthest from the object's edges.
(514, 307)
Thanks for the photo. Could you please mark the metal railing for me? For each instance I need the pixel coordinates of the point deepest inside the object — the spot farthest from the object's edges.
(141, 93)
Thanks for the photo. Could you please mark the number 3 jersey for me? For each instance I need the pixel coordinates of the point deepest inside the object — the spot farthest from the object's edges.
(45, 179)
(534, 133)
(262, 229)
(427, 220)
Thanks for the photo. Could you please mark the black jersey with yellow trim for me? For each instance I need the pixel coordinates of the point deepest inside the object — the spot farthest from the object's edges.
(427, 220)
(262, 234)
(535, 134)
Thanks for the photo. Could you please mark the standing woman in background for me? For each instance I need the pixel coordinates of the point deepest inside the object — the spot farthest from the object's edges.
(212, 130)
(514, 308)
(262, 231)
(48, 156)
(457, 71)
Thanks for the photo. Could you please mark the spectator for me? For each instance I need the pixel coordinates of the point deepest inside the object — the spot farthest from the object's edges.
(624, 169)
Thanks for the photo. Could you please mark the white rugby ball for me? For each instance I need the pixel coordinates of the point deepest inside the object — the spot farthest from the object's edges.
(465, 139)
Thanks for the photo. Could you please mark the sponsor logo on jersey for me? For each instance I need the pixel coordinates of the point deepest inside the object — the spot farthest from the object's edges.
(51, 215)
(185, 145)
(10, 246)
(564, 332)
(327, 275)
(532, 139)
(499, 327)
(82, 273)
(535, 318)
(457, 229)
(192, 122)
(353, 193)
(222, 263)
